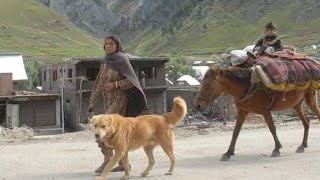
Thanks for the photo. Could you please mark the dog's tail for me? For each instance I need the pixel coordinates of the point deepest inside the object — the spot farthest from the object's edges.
(178, 111)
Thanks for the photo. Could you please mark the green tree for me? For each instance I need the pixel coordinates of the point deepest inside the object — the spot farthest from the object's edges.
(199, 12)
(171, 29)
(204, 26)
(164, 29)
(34, 76)
(181, 67)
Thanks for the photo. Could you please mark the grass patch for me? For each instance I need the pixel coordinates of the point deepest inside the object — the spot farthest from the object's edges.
(38, 33)
(227, 30)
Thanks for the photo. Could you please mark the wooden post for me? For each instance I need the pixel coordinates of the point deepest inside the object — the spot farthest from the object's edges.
(78, 118)
(7, 120)
(143, 81)
(80, 103)
(62, 98)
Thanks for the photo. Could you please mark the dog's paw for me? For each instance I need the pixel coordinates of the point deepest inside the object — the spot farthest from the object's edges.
(100, 178)
(124, 178)
(169, 173)
(144, 174)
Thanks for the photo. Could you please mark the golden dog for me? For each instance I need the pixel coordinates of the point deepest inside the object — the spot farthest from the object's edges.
(125, 134)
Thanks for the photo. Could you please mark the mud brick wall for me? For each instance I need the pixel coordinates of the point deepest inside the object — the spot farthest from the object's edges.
(6, 84)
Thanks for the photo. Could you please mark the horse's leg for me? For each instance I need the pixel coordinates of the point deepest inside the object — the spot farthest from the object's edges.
(241, 115)
(272, 128)
(312, 102)
(305, 121)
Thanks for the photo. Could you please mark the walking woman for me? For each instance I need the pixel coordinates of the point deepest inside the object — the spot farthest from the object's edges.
(119, 87)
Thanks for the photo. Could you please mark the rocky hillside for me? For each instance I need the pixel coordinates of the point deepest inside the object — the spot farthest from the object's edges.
(152, 27)
(192, 27)
(92, 16)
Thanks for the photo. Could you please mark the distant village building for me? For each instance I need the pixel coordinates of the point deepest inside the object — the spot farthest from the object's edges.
(78, 76)
(18, 108)
(201, 67)
(186, 87)
(188, 93)
(13, 64)
(187, 80)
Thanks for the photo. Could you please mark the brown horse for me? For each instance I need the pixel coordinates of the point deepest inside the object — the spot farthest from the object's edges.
(236, 83)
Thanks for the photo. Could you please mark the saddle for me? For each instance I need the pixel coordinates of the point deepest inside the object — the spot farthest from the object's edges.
(286, 72)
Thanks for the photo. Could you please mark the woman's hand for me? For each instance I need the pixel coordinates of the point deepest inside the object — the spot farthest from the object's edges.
(111, 86)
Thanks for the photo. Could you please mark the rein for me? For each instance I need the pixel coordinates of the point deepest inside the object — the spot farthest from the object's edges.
(251, 90)
(249, 93)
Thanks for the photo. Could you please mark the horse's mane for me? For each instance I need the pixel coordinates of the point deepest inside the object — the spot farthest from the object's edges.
(237, 74)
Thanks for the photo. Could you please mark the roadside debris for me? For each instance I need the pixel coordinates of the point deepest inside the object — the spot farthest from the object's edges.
(23, 132)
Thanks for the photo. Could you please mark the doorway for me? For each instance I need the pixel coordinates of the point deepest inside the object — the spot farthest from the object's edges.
(3, 114)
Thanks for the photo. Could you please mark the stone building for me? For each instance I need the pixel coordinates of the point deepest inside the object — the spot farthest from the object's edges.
(37, 110)
(74, 79)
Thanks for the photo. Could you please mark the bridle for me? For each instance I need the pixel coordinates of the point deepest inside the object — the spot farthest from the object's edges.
(211, 94)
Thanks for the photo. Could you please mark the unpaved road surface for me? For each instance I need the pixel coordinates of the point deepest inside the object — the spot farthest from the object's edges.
(76, 155)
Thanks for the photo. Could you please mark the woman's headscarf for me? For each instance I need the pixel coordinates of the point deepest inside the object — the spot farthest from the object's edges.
(117, 41)
(119, 61)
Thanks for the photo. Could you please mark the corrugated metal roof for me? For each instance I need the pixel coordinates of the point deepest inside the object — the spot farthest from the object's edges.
(189, 79)
(13, 63)
(200, 70)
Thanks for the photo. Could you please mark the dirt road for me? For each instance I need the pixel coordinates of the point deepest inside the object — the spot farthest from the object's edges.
(75, 156)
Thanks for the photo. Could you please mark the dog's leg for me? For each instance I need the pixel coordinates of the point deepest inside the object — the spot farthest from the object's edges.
(167, 146)
(125, 162)
(149, 151)
(113, 161)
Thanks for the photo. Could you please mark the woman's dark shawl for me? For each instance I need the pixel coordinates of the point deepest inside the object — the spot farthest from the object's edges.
(137, 102)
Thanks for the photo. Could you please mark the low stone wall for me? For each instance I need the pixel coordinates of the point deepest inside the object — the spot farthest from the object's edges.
(216, 108)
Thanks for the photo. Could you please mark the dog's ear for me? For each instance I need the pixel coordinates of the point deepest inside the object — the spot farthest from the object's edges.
(110, 119)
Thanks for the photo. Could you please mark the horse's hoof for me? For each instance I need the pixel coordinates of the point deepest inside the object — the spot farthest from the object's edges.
(300, 149)
(275, 154)
(225, 157)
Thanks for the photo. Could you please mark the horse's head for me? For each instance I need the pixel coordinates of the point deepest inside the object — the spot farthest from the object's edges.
(210, 89)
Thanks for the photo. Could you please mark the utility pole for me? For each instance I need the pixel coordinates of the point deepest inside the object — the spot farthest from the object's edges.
(80, 103)
(62, 97)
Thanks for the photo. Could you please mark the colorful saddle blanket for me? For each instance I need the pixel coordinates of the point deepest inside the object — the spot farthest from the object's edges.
(286, 72)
